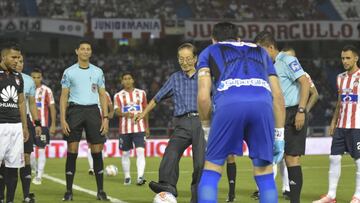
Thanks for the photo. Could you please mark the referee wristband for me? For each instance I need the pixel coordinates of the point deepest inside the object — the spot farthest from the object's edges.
(107, 117)
(37, 123)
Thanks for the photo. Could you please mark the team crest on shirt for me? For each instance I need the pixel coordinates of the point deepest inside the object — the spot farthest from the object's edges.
(295, 66)
(94, 88)
(356, 83)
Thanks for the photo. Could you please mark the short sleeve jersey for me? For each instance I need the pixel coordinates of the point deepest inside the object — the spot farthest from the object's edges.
(11, 85)
(240, 72)
(44, 98)
(29, 90)
(130, 102)
(289, 70)
(83, 84)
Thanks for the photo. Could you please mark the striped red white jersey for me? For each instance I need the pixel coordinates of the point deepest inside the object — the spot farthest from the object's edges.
(44, 98)
(133, 102)
(349, 91)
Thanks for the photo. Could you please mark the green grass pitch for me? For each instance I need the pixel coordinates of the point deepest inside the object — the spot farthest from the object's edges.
(315, 171)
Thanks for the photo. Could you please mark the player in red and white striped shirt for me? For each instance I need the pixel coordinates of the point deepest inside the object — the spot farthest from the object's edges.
(345, 124)
(44, 102)
(127, 103)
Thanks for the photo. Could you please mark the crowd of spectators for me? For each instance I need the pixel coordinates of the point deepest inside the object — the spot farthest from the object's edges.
(323, 73)
(9, 8)
(151, 72)
(256, 10)
(166, 9)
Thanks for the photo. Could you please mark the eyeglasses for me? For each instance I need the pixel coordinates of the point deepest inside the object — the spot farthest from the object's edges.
(182, 59)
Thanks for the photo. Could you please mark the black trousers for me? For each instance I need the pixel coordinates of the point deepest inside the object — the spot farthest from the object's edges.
(187, 131)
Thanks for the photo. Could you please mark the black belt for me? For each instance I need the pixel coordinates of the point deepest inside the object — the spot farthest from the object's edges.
(73, 104)
(292, 107)
(190, 114)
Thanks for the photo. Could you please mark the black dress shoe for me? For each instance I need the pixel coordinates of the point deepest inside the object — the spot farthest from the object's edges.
(162, 187)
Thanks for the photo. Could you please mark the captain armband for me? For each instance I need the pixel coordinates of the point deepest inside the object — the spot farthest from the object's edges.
(204, 73)
(279, 133)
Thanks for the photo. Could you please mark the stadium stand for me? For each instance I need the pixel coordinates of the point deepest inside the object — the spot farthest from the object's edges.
(166, 9)
(348, 9)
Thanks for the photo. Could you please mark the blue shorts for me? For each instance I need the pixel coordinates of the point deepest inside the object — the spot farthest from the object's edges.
(231, 124)
(127, 141)
(346, 140)
(43, 139)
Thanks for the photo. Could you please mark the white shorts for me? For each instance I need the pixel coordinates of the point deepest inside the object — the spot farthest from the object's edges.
(12, 145)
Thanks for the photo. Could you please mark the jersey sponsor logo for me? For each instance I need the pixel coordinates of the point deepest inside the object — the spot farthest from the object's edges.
(131, 108)
(295, 66)
(256, 82)
(9, 105)
(240, 44)
(349, 98)
(8, 93)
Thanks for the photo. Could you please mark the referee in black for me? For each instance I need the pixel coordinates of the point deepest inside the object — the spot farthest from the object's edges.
(182, 88)
(82, 85)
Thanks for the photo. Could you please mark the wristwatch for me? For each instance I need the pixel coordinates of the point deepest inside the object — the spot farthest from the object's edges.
(301, 110)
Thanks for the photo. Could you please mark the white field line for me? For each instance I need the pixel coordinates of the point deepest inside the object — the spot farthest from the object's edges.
(250, 169)
(112, 199)
(78, 188)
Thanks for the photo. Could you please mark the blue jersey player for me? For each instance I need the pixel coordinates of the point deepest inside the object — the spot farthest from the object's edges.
(246, 105)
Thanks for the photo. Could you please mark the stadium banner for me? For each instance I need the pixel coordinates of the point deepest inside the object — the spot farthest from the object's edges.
(156, 148)
(63, 27)
(125, 28)
(283, 31)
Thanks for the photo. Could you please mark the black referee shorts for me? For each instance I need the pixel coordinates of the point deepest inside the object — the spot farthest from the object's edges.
(80, 117)
(29, 144)
(295, 140)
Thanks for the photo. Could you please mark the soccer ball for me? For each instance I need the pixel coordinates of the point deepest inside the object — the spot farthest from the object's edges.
(164, 197)
(111, 170)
